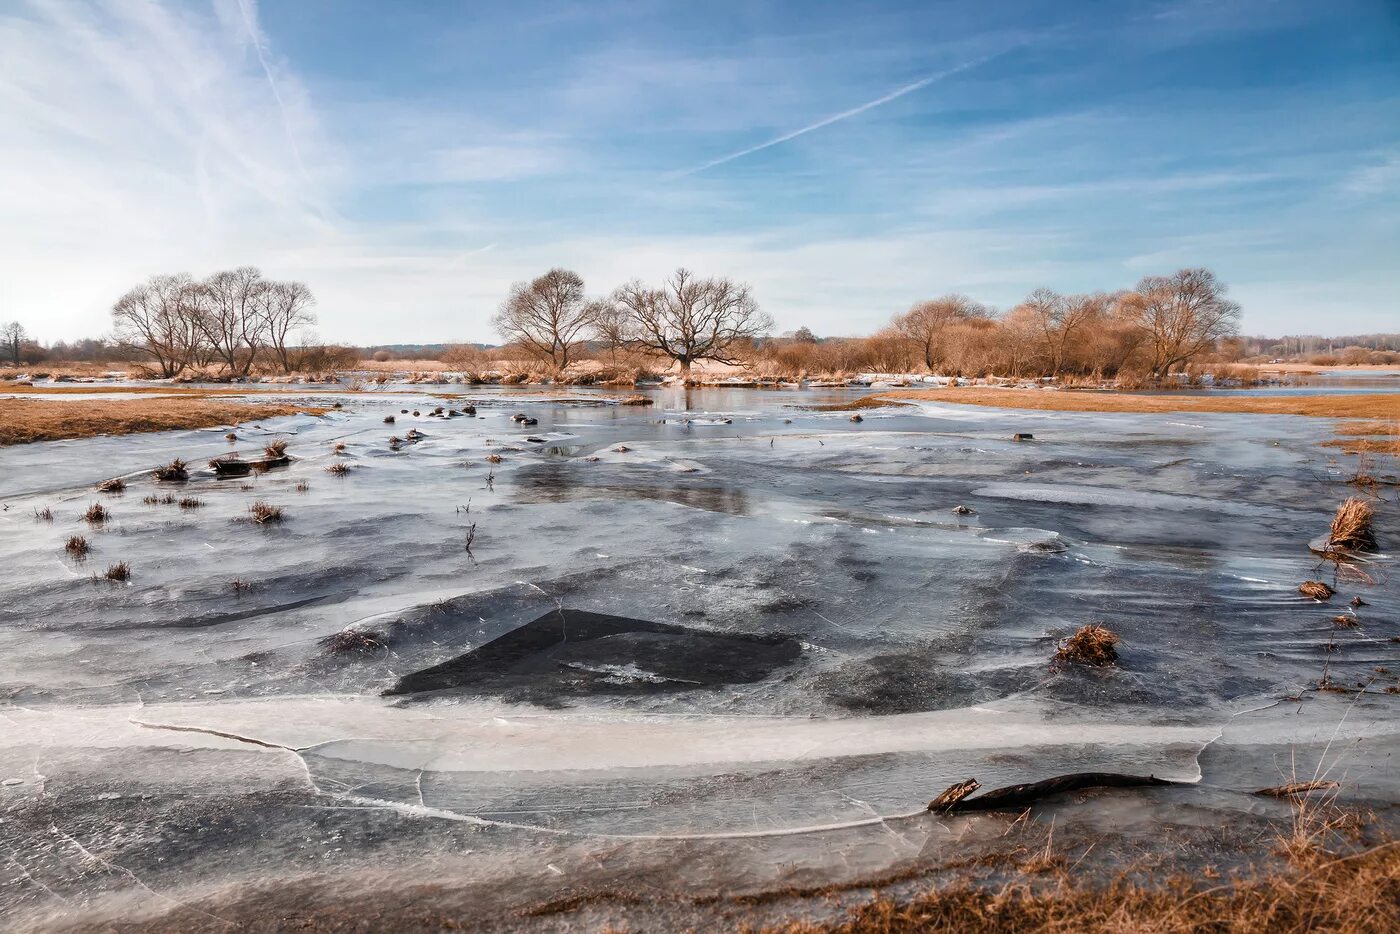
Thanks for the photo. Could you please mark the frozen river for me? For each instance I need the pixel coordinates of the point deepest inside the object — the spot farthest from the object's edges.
(724, 617)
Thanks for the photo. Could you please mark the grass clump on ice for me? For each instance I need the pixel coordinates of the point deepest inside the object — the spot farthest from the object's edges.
(1090, 645)
(264, 513)
(1351, 527)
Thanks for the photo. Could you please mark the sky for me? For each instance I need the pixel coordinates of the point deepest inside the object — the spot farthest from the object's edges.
(409, 161)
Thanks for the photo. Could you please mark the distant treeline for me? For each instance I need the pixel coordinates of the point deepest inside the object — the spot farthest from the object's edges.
(237, 322)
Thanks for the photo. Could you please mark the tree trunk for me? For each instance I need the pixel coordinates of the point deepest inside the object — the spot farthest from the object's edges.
(685, 368)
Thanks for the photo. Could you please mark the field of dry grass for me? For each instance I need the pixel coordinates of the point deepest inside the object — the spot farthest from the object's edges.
(1354, 893)
(26, 420)
(1384, 406)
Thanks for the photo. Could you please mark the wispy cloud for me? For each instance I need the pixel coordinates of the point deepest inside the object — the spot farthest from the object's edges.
(894, 95)
(248, 12)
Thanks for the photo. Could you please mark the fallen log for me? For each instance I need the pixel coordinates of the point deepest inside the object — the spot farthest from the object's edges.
(1293, 789)
(1018, 796)
(953, 794)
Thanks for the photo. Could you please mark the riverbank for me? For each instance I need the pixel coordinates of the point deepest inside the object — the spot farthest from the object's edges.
(23, 421)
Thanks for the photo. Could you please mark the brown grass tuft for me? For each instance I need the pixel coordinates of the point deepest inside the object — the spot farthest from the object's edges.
(191, 502)
(120, 571)
(43, 515)
(275, 449)
(1090, 645)
(636, 400)
(174, 471)
(340, 469)
(264, 513)
(77, 546)
(1351, 527)
(353, 642)
(97, 514)
(1317, 590)
(115, 485)
(493, 458)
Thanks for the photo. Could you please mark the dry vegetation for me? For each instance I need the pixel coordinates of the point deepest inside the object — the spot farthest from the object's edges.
(1090, 645)
(77, 546)
(1322, 405)
(23, 421)
(121, 571)
(264, 513)
(1320, 892)
(1351, 527)
(174, 471)
(1316, 590)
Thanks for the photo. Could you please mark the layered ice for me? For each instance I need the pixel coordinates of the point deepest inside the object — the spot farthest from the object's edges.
(722, 616)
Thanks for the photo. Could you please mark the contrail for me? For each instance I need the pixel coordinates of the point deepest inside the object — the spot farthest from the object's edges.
(255, 36)
(834, 118)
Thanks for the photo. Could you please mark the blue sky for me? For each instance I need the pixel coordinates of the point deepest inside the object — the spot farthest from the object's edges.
(410, 160)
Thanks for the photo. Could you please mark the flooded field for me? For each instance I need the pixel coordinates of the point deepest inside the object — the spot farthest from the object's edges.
(722, 637)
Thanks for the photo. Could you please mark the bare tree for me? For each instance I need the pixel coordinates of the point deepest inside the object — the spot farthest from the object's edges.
(12, 337)
(283, 307)
(548, 316)
(231, 316)
(924, 324)
(1183, 315)
(1060, 319)
(687, 319)
(160, 318)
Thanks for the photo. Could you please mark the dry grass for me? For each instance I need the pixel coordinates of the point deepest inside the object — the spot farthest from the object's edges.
(1353, 893)
(264, 513)
(353, 642)
(121, 571)
(115, 485)
(175, 471)
(77, 546)
(1334, 405)
(339, 469)
(1317, 590)
(636, 400)
(1351, 527)
(43, 515)
(97, 514)
(275, 449)
(1090, 645)
(23, 421)
(190, 502)
(153, 500)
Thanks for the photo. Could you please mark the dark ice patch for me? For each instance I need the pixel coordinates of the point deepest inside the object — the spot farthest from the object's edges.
(570, 653)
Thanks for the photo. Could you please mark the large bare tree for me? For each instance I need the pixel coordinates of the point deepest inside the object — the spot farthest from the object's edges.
(231, 316)
(547, 316)
(925, 324)
(160, 318)
(12, 338)
(283, 307)
(1183, 315)
(686, 319)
